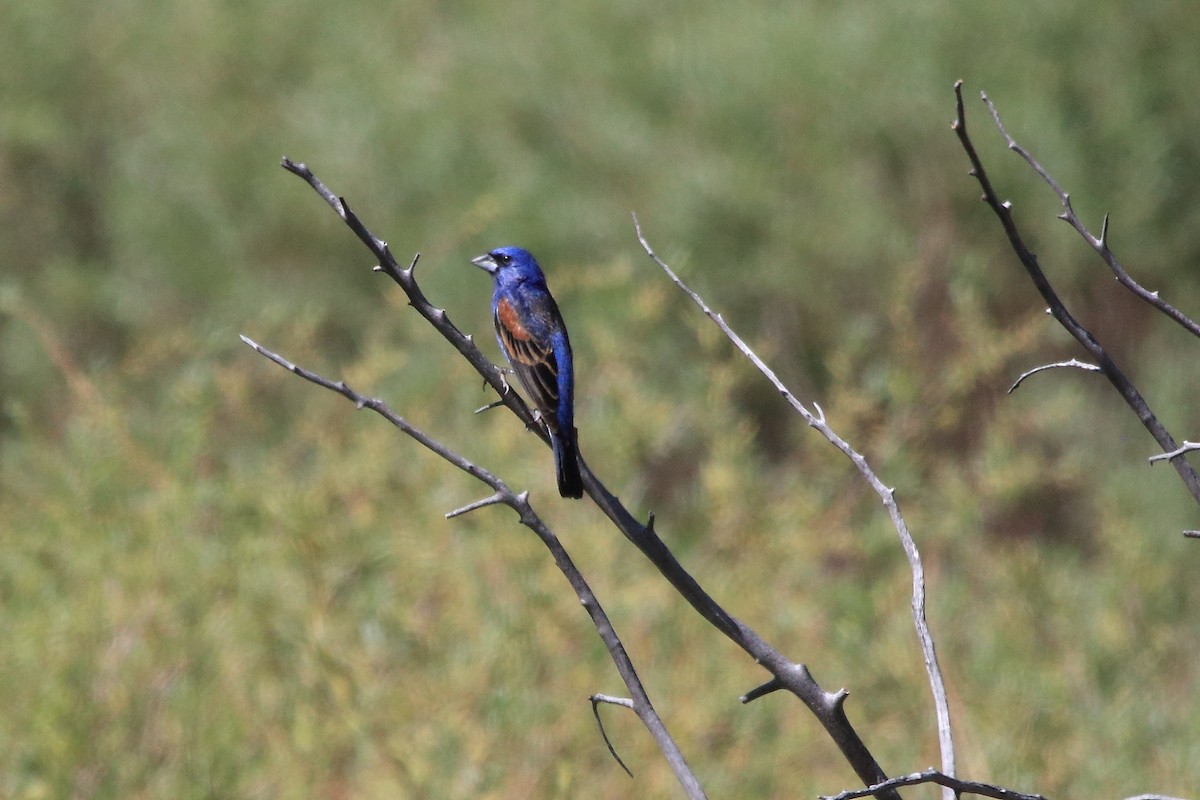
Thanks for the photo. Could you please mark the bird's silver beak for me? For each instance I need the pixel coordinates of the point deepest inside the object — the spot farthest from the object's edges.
(486, 263)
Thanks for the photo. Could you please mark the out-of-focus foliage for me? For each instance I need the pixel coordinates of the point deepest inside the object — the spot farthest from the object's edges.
(216, 580)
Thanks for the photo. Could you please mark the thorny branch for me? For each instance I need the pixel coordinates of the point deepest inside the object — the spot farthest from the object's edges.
(1097, 243)
(961, 787)
(787, 674)
(640, 702)
(949, 783)
(1057, 309)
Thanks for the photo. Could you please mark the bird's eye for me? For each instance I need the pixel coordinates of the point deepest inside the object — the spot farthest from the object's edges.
(501, 258)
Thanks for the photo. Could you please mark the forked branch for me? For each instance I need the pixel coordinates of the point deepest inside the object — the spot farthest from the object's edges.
(947, 782)
(1117, 377)
(790, 675)
(502, 494)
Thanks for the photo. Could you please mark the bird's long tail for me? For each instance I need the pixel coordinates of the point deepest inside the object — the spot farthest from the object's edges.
(566, 464)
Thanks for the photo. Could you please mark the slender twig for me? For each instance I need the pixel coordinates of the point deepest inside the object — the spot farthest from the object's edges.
(1186, 447)
(933, 776)
(793, 676)
(529, 518)
(963, 787)
(1097, 243)
(1003, 212)
(886, 495)
(1072, 363)
(495, 499)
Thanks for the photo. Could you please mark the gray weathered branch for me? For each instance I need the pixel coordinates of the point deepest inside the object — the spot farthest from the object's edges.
(794, 677)
(640, 702)
(886, 495)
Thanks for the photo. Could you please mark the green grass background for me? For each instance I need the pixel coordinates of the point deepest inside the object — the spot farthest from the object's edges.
(218, 581)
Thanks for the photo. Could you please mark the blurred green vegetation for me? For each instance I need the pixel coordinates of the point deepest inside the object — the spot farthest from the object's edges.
(218, 581)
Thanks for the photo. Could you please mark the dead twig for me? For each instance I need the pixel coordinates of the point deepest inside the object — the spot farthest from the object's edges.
(1075, 363)
(1097, 243)
(1057, 309)
(953, 785)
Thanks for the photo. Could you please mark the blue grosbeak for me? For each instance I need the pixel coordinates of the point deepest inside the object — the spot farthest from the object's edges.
(532, 335)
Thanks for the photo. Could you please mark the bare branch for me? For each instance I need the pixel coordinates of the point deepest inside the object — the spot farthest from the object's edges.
(1186, 447)
(1072, 363)
(951, 784)
(886, 495)
(530, 519)
(1100, 243)
(827, 707)
(792, 676)
(1003, 212)
(406, 278)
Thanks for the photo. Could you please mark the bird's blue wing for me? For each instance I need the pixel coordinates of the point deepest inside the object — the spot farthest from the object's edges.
(532, 355)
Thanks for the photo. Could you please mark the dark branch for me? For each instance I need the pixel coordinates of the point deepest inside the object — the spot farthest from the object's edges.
(1097, 243)
(765, 689)
(933, 776)
(1058, 310)
(407, 281)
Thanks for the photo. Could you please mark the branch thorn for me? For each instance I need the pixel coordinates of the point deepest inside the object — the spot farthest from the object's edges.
(487, 501)
(596, 700)
(489, 406)
(761, 691)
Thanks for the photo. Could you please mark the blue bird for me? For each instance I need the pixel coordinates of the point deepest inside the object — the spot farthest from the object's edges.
(532, 335)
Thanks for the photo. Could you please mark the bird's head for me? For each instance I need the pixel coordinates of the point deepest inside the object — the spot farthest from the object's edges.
(510, 265)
